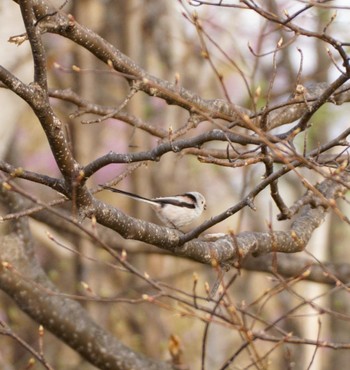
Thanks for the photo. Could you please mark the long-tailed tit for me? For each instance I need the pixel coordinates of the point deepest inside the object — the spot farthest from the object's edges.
(176, 211)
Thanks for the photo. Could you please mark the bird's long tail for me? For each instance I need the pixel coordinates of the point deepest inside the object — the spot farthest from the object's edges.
(131, 195)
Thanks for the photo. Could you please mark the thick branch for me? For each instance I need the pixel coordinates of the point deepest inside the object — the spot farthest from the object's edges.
(229, 248)
(209, 109)
(34, 37)
(166, 147)
(38, 99)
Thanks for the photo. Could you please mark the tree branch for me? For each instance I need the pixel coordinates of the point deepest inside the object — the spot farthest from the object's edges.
(23, 279)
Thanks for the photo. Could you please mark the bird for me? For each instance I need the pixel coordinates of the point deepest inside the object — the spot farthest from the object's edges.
(175, 211)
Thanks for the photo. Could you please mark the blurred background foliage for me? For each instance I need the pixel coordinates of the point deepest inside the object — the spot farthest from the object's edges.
(157, 35)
